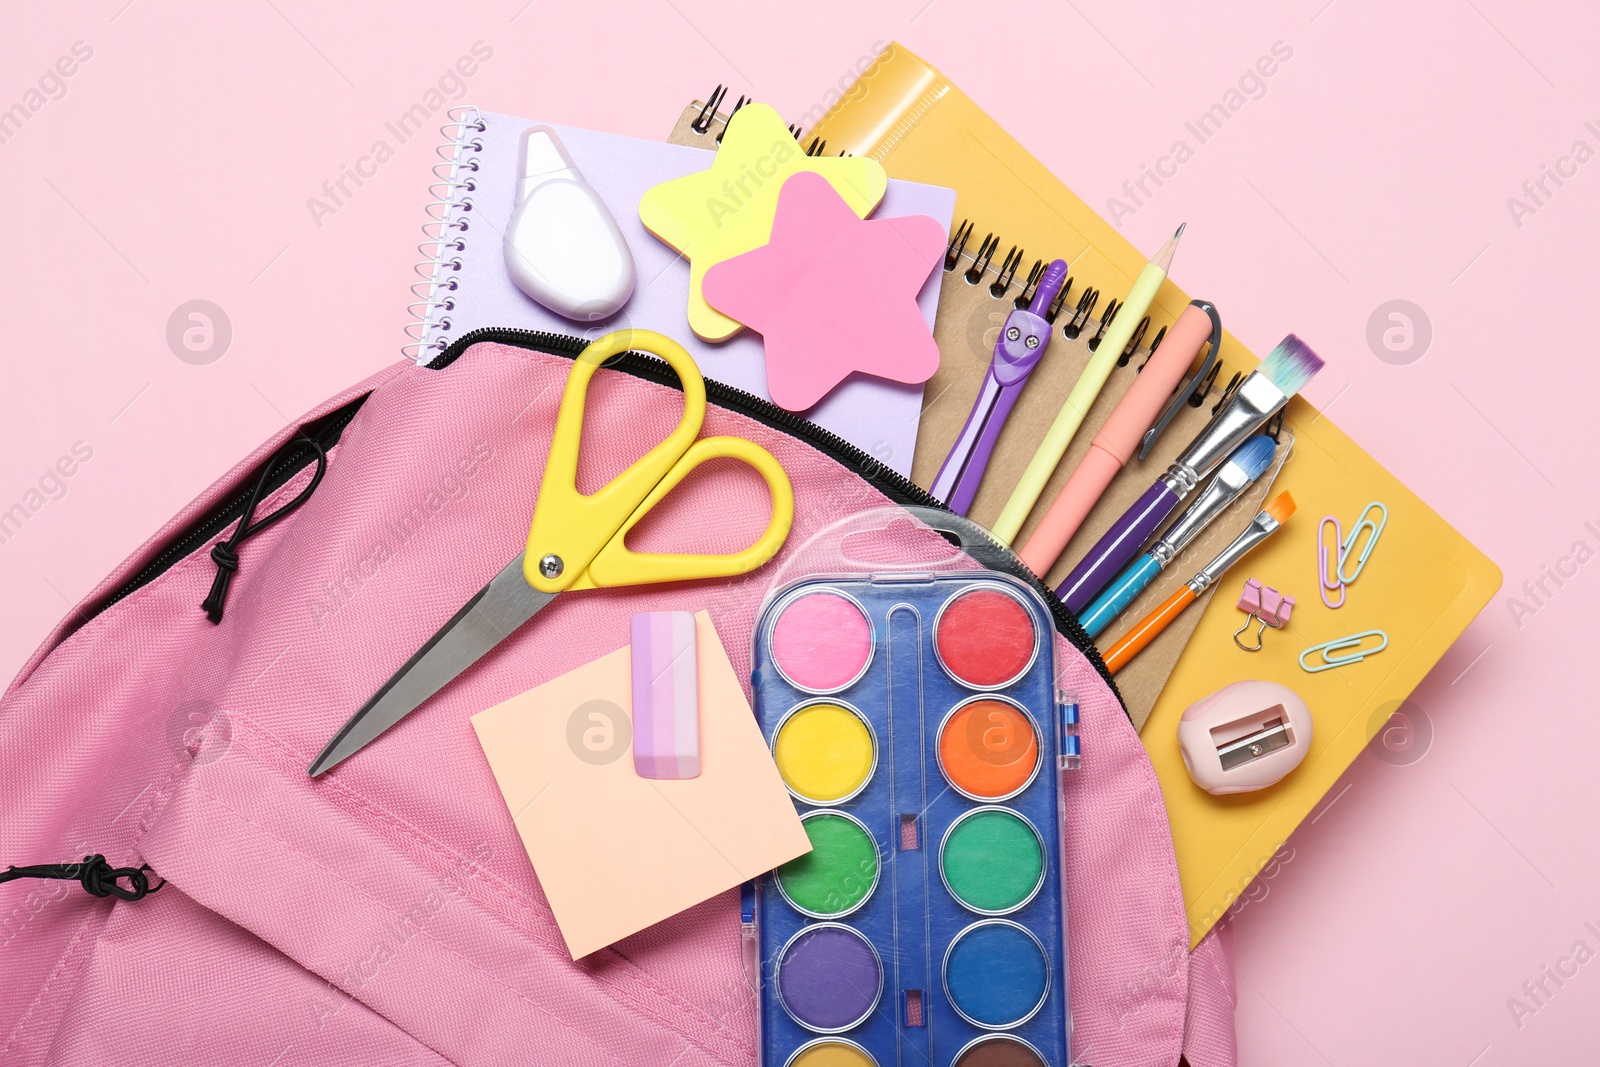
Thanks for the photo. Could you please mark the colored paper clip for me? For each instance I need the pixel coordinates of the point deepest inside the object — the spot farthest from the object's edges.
(1337, 653)
(1328, 576)
(1363, 523)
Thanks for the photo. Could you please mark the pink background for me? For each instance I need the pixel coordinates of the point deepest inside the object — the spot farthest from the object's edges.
(1446, 870)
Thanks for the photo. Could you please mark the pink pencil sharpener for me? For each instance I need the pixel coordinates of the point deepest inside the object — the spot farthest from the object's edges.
(1245, 736)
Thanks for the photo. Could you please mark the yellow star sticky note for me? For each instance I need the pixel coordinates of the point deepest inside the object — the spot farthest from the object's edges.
(727, 209)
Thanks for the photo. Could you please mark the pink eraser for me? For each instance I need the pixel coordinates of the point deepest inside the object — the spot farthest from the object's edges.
(666, 696)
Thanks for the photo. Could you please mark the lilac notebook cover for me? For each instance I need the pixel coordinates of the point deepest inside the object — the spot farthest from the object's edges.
(877, 416)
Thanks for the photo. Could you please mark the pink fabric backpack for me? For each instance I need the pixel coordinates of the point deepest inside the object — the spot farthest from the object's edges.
(386, 913)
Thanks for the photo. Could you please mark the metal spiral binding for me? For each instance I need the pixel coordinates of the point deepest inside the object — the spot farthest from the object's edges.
(957, 245)
(1080, 318)
(1005, 274)
(980, 262)
(1133, 342)
(1055, 305)
(1199, 396)
(1007, 271)
(732, 111)
(1025, 297)
(1161, 335)
(1112, 308)
(702, 121)
(708, 115)
(449, 221)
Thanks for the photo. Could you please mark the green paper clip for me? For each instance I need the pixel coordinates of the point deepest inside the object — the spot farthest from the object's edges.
(1372, 541)
(1328, 649)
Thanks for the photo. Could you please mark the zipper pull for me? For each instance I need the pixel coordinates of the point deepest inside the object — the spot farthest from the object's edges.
(97, 877)
(225, 554)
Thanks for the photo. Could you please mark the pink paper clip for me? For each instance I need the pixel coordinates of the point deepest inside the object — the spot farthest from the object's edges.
(1328, 562)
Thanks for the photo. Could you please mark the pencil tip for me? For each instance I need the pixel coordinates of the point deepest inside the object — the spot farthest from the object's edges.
(1163, 258)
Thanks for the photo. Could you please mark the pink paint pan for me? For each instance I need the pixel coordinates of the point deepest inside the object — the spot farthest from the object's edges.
(821, 641)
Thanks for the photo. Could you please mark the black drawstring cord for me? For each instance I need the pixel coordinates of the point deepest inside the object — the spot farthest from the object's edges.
(94, 874)
(225, 554)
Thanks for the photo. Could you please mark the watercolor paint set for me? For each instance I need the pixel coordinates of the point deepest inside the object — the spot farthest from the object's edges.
(916, 722)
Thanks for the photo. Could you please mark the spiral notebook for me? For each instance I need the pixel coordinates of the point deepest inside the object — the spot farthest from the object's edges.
(1424, 582)
(466, 286)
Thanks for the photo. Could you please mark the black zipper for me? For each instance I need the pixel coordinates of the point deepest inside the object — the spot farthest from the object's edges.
(889, 482)
(327, 430)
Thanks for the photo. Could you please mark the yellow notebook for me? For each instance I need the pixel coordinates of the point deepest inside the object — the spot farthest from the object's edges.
(1424, 582)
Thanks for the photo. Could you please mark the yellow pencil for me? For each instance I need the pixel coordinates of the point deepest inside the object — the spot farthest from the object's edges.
(1082, 397)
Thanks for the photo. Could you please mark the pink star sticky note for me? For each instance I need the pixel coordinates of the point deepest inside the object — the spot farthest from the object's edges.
(832, 294)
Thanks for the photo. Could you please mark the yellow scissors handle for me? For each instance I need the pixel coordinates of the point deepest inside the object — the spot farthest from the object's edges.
(617, 565)
(569, 528)
(576, 541)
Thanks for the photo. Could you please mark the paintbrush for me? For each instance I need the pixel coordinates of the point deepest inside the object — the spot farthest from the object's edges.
(1236, 475)
(1261, 527)
(1261, 395)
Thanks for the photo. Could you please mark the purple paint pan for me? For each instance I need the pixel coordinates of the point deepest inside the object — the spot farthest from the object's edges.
(829, 978)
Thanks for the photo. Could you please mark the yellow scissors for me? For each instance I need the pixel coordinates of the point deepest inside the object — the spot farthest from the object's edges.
(577, 540)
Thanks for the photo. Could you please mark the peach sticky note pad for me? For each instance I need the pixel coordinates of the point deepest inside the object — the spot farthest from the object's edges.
(615, 852)
(727, 209)
(832, 294)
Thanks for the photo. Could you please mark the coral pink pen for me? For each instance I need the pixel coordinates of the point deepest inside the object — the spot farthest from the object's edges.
(1119, 438)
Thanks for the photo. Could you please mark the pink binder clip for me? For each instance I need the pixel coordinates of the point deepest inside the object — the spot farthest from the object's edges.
(1265, 605)
(1275, 607)
(1250, 599)
(1285, 607)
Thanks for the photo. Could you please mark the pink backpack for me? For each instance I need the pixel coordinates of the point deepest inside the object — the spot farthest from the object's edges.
(386, 912)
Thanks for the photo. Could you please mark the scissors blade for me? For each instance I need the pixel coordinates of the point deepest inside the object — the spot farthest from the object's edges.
(488, 618)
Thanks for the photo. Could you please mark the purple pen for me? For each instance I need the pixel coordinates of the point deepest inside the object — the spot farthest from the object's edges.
(1023, 339)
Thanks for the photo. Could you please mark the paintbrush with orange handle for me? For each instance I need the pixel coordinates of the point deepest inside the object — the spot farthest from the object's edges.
(1145, 630)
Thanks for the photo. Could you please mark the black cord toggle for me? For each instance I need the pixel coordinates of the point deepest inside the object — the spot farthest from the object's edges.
(225, 554)
(97, 877)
